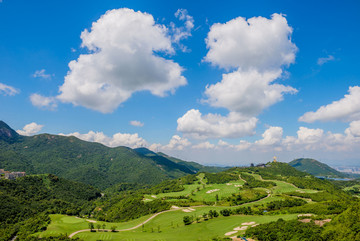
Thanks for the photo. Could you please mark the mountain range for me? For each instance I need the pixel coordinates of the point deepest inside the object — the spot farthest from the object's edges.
(88, 162)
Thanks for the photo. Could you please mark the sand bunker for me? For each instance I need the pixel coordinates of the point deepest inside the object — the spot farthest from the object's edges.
(241, 228)
(249, 223)
(153, 196)
(305, 215)
(174, 207)
(254, 225)
(188, 210)
(211, 191)
(91, 221)
(238, 185)
(229, 184)
(230, 233)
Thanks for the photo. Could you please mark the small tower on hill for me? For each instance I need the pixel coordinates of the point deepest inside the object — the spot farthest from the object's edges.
(274, 160)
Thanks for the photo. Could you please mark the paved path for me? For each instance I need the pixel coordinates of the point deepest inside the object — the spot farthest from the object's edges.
(127, 229)
(156, 214)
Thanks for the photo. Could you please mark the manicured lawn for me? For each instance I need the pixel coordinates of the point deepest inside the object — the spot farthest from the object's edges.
(169, 226)
(197, 191)
(62, 224)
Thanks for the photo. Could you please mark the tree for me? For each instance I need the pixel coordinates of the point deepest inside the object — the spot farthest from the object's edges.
(104, 226)
(187, 220)
(91, 227)
(98, 226)
(113, 228)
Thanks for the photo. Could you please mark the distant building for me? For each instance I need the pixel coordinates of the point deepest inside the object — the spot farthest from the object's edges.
(14, 175)
(275, 160)
(261, 165)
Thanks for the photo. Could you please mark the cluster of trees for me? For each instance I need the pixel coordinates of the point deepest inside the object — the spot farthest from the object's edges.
(285, 230)
(221, 177)
(26, 201)
(246, 195)
(128, 206)
(287, 203)
(252, 182)
(206, 216)
(343, 227)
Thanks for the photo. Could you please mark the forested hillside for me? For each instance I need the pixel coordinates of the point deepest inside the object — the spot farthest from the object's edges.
(315, 168)
(26, 202)
(87, 162)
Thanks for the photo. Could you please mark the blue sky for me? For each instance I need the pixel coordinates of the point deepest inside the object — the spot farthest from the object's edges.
(218, 83)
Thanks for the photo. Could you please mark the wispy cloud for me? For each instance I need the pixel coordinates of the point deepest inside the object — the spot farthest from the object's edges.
(8, 90)
(136, 123)
(41, 74)
(324, 60)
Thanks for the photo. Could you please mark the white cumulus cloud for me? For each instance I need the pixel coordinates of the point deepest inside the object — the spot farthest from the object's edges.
(256, 50)
(273, 135)
(354, 129)
(8, 90)
(177, 143)
(258, 43)
(43, 102)
(247, 92)
(199, 126)
(123, 59)
(346, 109)
(136, 123)
(30, 129)
(204, 145)
(118, 139)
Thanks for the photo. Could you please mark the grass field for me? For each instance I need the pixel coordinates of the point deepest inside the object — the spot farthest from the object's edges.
(62, 224)
(200, 191)
(169, 225)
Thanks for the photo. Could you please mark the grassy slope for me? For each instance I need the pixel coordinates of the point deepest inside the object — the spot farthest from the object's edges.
(315, 168)
(170, 223)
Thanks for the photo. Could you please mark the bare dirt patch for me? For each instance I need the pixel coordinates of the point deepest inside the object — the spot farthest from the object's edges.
(213, 190)
(247, 224)
(230, 233)
(91, 221)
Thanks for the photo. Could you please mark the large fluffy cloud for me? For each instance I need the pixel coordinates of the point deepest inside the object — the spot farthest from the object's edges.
(347, 109)
(30, 129)
(118, 139)
(354, 129)
(8, 90)
(199, 126)
(255, 50)
(273, 135)
(122, 60)
(258, 42)
(247, 92)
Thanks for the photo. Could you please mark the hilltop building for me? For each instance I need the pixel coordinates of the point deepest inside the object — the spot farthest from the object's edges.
(275, 159)
(11, 175)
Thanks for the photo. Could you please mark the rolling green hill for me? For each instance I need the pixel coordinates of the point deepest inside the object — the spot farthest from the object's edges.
(315, 168)
(192, 166)
(86, 162)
